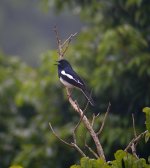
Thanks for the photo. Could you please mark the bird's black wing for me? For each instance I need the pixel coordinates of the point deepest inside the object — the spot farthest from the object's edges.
(72, 77)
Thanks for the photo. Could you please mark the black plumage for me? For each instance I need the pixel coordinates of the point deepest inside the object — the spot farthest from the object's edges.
(71, 79)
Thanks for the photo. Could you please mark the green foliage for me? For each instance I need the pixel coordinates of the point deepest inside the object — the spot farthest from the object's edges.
(29, 98)
(16, 166)
(122, 160)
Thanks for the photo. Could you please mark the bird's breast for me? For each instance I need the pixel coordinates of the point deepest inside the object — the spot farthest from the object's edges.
(65, 83)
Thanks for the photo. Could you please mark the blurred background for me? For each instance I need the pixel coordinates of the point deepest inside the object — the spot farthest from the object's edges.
(112, 54)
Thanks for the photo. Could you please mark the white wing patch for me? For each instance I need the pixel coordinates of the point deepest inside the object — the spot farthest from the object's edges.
(70, 76)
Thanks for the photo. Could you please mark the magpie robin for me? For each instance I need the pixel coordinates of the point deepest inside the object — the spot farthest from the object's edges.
(70, 79)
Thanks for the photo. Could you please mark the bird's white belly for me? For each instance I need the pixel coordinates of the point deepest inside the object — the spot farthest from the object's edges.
(68, 85)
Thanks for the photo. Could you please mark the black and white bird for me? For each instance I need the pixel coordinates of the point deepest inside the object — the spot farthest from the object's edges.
(70, 79)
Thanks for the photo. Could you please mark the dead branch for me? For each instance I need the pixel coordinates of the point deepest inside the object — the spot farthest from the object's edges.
(62, 48)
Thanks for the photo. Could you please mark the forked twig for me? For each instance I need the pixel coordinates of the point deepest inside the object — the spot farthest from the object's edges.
(135, 140)
(133, 148)
(72, 144)
(67, 42)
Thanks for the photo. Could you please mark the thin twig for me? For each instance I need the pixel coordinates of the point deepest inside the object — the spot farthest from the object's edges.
(69, 39)
(104, 119)
(93, 120)
(78, 149)
(91, 150)
(58, 136)
(133, 121)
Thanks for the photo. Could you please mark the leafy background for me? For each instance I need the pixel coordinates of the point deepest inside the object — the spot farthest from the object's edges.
(112, 54)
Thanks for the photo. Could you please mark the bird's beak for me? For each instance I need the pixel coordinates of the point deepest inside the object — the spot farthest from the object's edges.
(57, 63)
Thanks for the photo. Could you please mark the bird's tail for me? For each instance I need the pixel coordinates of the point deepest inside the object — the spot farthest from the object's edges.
(88, 96)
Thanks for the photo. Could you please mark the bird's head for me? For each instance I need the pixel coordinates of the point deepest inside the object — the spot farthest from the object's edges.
(63, 63)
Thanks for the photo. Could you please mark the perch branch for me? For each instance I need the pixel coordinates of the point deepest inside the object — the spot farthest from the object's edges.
(62, 48)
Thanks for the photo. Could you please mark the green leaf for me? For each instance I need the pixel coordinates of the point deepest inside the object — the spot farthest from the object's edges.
(75, 166)
(147, 111)
(120, 154)
(15, 166)
(85, 162)
(147, 136)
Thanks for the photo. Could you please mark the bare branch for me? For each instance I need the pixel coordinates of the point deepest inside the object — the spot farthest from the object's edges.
(104, 119)
(78, 149)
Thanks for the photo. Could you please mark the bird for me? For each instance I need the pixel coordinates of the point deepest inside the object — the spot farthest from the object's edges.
(70, 79)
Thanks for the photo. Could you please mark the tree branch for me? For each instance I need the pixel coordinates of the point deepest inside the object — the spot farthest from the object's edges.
(62, 48)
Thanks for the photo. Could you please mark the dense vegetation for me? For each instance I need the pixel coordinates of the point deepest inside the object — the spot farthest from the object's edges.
(114, 49)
